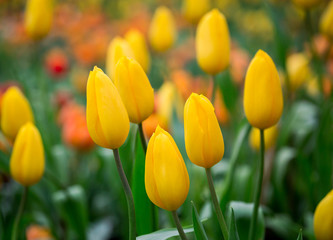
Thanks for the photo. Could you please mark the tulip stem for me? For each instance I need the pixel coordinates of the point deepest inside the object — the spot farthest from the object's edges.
(19, 213)
(259, 186)
(142, 137)
(216, 205)
(129, 196)
(214, 89)
(179, 226)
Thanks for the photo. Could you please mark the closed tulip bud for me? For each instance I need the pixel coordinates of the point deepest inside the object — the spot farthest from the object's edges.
(107, 119)
(135, 90)
(139, 47)
(27, 159)
(306, 3)
(326, 21)
(166, 178)
(270, 137)
(213, 42)
(38, 18)
(193, 10)
(263, 99)
(15, 112)
(118, 48)
(203, 137)
(162, 30)
(323, 218)
(298, 70)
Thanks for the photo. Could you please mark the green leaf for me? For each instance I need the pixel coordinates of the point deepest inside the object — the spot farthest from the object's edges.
(199, 230)
(164, 234)
(300, 236)
(233, 232)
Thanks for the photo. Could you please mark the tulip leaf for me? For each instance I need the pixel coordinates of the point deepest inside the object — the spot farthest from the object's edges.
(4, 162)
(300, 235)
(233, 232)
(164, 234)
(199, 230)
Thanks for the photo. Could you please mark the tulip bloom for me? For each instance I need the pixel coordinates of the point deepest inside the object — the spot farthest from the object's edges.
(38, 18)
(137, 42)
(298, 70)
(118, 48)
(212, 43)
(326, 21)
(15, 112)
(203, 137)
(306, 3)
(270, 137)
(162, 30)
(107, 119)
(263, 99)
(166, 178)
(323, 218)
(193, 10)
(27, 159)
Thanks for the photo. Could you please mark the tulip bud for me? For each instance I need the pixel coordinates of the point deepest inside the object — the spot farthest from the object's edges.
(118, 48)
(107, 119)
(306, 3)
(139, 47)
(213, 42)
(193, 10)
(203, 137)
(162, 30)
(326, 21)
(298, 70)
(135, 89)
(165, 102)
(263, 99)
(270, 137)
(323, 218)
(15, 112)
(166, 178)
(27, 160)
(38, 18)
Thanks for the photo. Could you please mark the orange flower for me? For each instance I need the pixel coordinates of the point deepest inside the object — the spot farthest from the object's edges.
(221, 110)
(36, 232)
(56, 62)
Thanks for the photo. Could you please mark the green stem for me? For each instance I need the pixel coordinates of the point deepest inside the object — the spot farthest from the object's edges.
(129, 196)
(258, 188)
(179, 226)
(142, 138)
(214, 89)
(217, 208)
(19, 213)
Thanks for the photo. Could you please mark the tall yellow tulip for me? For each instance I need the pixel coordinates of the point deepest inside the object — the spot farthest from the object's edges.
(117, 48)
(306, 3)
(298, 69)
(270, 137)
(135, 89)
(263, 99)
(213, 42)
(203, 137)
(27, 159)
(323, 218)
(107, 119)
(326, 21)
(15, 112)
(162, 30)
(193, 10)
(166, 178)
(139, 47)
(38, 18)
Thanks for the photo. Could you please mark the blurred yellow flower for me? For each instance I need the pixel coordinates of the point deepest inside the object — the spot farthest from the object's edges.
(323, 218)
(298, 69)
(213, 42)
(27, 159)
(193, 10)
(326, 21)
(15, 112)
(38, 18)
(270, 137)
(203, 137)
(263, 99)
(306, 3)
(162, 30)
(166, 96)
(134, 88)
(107, 119)
(166, 178)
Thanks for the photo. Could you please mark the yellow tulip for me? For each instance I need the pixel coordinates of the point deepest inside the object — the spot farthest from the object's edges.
(118, 48)
(107, 119)
(15, 112)
(298, 69)
(38, 18)
(323, 218)
(270, 137)
(193, 10)
(27, 159)
(263, 99)
(139, 47)
(306, 3)
(166, 178)
(203, 137)
(213, 42)
(326, 21)
(162, 30)
(135, 90)
(166, 96)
